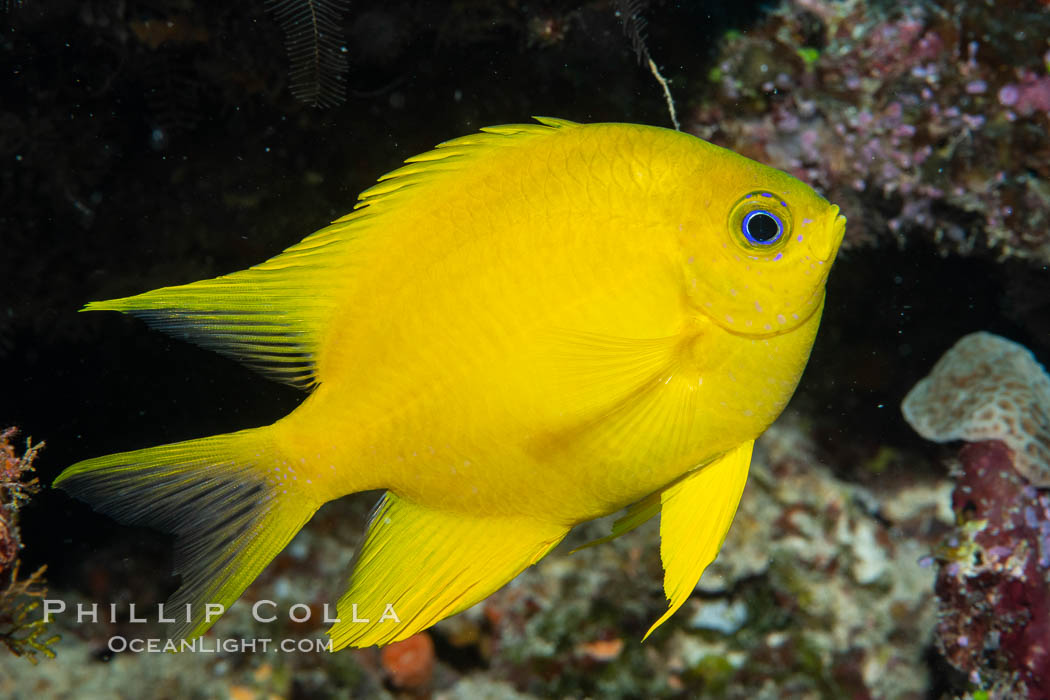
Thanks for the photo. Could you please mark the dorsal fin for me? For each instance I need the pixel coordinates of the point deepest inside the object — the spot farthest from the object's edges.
(271, 316)
(448, 156)
(268, 316)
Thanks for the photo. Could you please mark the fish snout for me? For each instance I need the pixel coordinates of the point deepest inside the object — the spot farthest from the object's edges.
(825, 246)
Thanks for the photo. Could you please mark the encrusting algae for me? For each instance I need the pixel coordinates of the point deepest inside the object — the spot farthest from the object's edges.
(519, 331)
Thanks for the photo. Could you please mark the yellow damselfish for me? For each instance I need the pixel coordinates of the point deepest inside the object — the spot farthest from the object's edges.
(519, 331)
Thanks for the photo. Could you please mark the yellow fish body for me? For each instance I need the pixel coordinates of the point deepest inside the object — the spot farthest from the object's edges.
(519, 331)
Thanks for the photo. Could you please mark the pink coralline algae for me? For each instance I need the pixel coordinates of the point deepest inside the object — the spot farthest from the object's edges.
(922, 120)
(1029, 96)
(994, 578)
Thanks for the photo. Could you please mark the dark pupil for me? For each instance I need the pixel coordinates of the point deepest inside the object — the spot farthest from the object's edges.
(762, 227)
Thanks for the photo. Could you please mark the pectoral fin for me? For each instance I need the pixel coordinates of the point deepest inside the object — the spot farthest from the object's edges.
(636, 516)
(695, 515)
(419, 565)
(623, 397)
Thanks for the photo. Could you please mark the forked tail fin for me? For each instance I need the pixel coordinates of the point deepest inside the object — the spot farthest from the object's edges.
(231, 501)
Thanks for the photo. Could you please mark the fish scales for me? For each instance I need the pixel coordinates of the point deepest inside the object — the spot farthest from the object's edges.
(519, 331)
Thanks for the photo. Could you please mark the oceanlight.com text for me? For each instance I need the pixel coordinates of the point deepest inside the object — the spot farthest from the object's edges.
(119, 645)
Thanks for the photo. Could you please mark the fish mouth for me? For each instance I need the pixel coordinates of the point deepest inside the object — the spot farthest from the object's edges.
(836, 226)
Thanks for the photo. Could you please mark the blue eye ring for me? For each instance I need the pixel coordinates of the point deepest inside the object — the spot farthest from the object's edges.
(762, 227)
(760, 223)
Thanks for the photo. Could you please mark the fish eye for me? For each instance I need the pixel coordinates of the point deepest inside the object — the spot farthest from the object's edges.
(761, 227)
(761, 222)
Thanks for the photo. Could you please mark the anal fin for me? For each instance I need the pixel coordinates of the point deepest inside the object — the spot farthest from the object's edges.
(695, 515)
(419, 565)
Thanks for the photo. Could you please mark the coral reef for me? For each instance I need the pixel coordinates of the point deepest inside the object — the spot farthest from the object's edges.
(993, 581)
(920, 119)
(156, 143)
(987, 388)
(818, 592)
(22, 630)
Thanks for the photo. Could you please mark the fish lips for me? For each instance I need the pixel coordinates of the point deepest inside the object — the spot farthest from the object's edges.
(825, 248)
